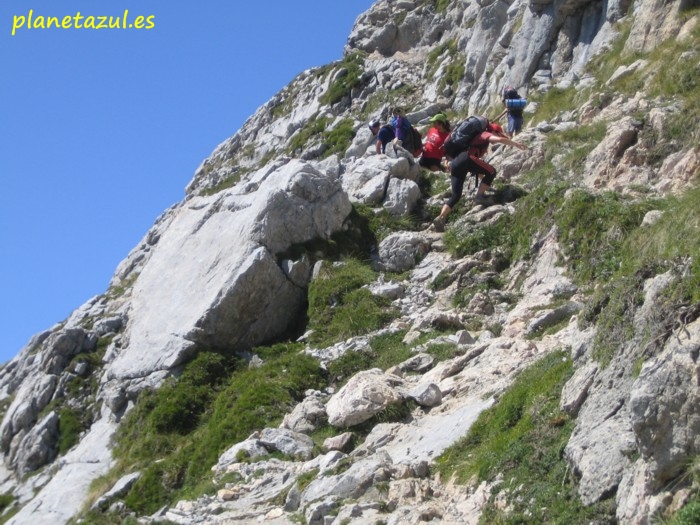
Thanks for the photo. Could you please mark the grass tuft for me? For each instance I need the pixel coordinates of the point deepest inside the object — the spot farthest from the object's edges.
(522, 438)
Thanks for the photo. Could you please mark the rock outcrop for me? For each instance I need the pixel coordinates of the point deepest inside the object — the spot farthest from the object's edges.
(217, 272)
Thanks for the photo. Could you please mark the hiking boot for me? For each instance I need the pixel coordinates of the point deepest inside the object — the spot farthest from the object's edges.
(439, 224)
(483, 200)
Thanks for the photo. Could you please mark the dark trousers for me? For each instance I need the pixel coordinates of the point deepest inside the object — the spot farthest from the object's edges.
(462, 165)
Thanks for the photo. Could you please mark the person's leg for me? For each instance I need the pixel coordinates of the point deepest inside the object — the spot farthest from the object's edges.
(429, 163)
(459, 168)
(510, 130)
(458, 173)
(517, 125)
(482, 167)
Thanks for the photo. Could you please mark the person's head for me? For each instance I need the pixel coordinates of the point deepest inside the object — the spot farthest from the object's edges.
(440, 120)
(374, 126)
(397, 111)
(509, 93)
(496, 129)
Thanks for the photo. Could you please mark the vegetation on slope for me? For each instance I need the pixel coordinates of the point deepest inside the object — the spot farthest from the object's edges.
(520, 441)
(175, 434)
(517, 445)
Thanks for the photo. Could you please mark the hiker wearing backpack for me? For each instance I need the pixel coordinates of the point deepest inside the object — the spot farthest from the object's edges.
(514, 105)
(466, 146)
(433, 150)
(402, 129)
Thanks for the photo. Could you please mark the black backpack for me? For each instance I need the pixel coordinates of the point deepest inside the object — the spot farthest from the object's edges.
(417, 142)
(463, 134)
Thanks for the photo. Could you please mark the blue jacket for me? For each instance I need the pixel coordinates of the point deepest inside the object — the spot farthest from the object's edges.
(386, 134)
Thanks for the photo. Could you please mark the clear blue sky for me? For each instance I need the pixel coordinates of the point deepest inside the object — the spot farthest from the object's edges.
(102, 129)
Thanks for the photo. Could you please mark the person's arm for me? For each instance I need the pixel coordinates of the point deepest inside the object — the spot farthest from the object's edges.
(499, 117)
(497, 139)
(378, 146)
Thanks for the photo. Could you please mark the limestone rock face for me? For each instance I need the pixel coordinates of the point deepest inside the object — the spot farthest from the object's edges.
(214, 272)
(209, 278)
(664, 413)
(213, 278)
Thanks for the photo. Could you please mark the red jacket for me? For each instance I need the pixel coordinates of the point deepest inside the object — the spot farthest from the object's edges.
(433, 147)
(480, 144)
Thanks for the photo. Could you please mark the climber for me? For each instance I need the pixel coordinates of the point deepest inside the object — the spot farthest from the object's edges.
(402, 129)
(433, 150)
(513, 106)
(470, 161)
(384, 134)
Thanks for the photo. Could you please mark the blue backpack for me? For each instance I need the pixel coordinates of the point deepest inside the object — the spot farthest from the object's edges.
(515, 106)
(514, 102)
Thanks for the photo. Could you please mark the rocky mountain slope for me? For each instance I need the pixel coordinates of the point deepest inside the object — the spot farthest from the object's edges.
(290, 344)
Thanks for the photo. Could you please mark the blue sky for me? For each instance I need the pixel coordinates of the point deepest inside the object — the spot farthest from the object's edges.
(101, 130)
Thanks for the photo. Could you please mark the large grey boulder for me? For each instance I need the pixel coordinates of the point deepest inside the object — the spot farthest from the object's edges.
(665, 406)
(39, 446)
(366, 181)
(364, 395)
(213, 277)
(401, 197)
(119, 489)
(350, 484)
(307, 415)
(288, 442)
(401, 251)
(208, 275)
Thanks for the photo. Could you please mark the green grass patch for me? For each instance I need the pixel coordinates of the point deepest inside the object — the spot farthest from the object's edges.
(634, 255)
(174, 438)
(353, 67)
(473, 238)
(285, 102)
(688, 515)
(577, 142)
(593, 229)
(224, 184)
(382, 223)
(340, 306)
(384, 351)
(443, 351)
(9, 513)
(5, 501)
(313, 127)
(453, 71)
(70, 425)
(114, 292)
(339, 137)
(555, 101)
(514, 234)
(675, 238)
(441, 5)
(522, 437)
